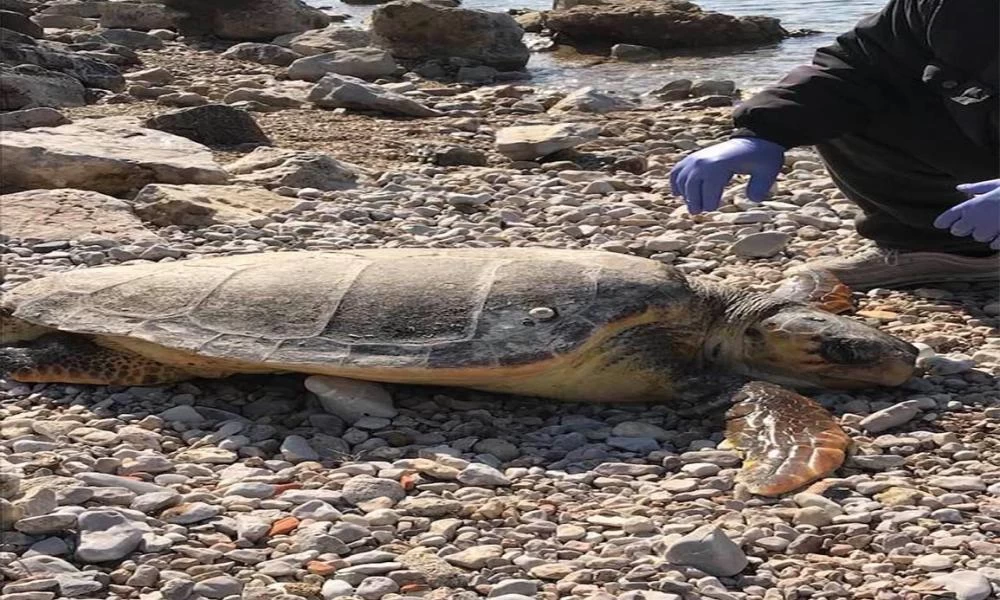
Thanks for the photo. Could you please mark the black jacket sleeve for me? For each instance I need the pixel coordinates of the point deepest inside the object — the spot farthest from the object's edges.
(866, 72)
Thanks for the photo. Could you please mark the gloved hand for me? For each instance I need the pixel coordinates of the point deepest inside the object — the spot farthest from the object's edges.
(978, 217)
(702, 176)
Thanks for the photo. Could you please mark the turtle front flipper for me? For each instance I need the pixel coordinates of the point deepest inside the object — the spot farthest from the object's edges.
(818, 288)
(787, 440)
(67, 358)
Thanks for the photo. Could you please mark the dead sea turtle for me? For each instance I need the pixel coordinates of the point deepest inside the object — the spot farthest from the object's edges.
(563, 324)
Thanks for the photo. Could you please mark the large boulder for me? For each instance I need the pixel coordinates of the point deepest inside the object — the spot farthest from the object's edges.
(212, 125)
(204, 205)
(247, 20)
(30, 86)
(132, 39)
(90, 71)
(69, 214)
(265, 54)
(270, 97)
(591, 100)
(15, 21)
(112, 155)
(328, 39)
(364, 63)
(19, 6)
(64, 22)
(91, 9)
(16, 120)
(342, 91)
(276, 167)
(419, 31)
(662, 24)
(528, 142)
(138, 15)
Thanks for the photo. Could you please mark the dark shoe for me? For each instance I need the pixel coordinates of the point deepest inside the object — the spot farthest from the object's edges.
(882, 268)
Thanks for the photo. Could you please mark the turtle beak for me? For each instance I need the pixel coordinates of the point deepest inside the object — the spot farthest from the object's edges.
(882, 359)
(816, 348)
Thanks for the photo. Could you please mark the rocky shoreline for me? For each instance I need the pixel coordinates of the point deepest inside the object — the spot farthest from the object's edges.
(256, 488)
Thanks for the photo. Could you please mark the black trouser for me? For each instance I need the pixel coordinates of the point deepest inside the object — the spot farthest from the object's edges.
(902, 173)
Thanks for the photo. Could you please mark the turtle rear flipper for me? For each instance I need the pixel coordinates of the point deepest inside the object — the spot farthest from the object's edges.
(818, 288)
(787, 440)
(67, 358)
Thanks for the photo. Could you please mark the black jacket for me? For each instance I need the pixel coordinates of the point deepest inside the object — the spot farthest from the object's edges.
(914, 60)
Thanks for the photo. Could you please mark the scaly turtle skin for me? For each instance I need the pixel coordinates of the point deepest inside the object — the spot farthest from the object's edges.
(561, 324)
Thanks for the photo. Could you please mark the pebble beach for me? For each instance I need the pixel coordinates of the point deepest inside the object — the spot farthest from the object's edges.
(258, 488)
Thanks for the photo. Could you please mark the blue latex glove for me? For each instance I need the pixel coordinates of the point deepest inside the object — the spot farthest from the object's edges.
(702, 176)
(978, 217)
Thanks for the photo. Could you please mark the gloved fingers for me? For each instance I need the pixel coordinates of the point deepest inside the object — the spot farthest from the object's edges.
(680, 175)
(985, 234)
(948, 217)
(711, 192)
(995, 244)
(761, 181)
(962, 227)
(979, 187)
(692, 195)
(675, 174)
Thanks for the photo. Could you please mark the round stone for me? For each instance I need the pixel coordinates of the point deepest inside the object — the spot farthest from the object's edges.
(933, 562)
(362, 488)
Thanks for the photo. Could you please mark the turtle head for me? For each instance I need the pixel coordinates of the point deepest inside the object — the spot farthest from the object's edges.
(800, 346)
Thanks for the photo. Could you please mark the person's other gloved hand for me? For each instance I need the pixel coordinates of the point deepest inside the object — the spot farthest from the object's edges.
(978, 217)
(702, 176)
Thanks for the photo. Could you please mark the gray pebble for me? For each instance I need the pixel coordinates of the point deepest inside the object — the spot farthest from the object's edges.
(106, 536)
(373, 588)
(710, 550)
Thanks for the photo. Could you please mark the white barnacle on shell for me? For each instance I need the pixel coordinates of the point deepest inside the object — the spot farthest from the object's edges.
(542, 313)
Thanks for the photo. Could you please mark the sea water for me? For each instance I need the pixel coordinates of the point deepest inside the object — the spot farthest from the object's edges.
(751, 68)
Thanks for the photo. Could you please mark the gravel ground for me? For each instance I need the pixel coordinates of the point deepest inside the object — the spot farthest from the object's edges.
(247, 488)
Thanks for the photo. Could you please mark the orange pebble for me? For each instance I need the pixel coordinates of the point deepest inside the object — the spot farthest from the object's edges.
(284, 487)
(414, 587)
(283, 526)
(408, 481)
(318, 567)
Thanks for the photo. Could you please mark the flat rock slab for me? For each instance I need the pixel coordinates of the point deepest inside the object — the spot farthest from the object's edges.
(364, 63)
(527, 142)
(112, 155)
(68, 214)
(341, 91)
(591, 100)
(275, 167)
(328, 39)
(203, 205)
(18, 120)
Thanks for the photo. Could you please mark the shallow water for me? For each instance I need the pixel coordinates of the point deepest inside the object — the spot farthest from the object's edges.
(750, 68)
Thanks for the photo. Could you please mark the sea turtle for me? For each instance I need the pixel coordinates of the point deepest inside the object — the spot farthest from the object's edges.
(561, 324)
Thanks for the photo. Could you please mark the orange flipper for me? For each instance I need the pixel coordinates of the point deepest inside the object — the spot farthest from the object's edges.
(787, 440)
(819, 288)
